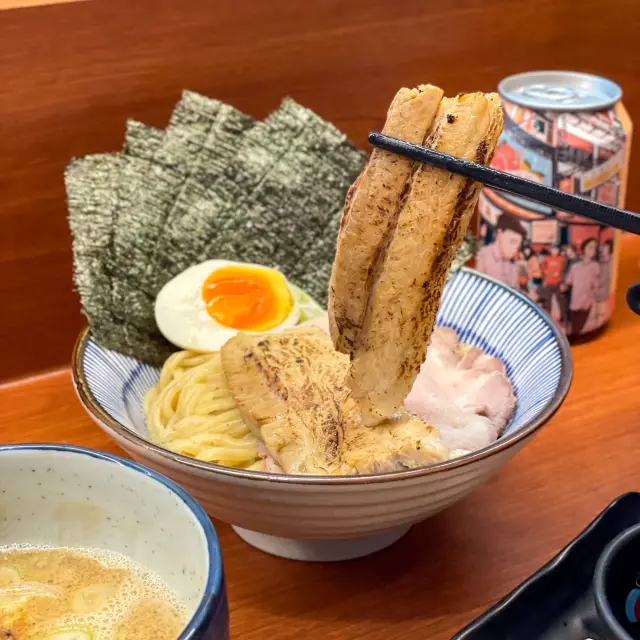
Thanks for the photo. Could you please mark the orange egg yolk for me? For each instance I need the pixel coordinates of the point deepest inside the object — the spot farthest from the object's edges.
(247, 298)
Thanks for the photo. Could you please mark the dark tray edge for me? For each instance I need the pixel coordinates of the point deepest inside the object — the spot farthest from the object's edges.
(467, 633)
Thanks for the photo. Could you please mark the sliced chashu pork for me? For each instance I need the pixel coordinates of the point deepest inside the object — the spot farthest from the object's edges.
(291, 388)
(403, 291)
(463, 392)
(371, 207)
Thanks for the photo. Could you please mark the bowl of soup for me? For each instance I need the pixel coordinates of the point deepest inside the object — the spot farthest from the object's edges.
(96, 547)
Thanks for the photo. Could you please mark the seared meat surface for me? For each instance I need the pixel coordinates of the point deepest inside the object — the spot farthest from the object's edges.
(416, 243)
(371, 209)
(291, 388)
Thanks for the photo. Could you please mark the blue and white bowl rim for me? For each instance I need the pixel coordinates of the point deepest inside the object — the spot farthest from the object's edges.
(507, 441)
(214, 587)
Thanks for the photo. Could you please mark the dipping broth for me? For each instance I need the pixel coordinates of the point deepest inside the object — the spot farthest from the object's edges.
(76, 594)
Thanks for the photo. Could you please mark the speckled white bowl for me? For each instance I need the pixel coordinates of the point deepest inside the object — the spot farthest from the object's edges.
(335, 518)
(64, 496)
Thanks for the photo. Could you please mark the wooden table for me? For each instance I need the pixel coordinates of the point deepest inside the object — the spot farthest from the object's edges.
(452, 567)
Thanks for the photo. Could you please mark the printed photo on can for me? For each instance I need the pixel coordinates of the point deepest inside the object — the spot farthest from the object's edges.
(563, 262)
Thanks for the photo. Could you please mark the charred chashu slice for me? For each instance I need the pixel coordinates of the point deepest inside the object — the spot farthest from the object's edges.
(371, 207)
(404, 291)
(291, 388)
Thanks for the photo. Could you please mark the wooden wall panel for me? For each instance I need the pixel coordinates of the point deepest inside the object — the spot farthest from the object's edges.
(70, 75)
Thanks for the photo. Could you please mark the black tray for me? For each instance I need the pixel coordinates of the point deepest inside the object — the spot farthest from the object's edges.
(556, 602)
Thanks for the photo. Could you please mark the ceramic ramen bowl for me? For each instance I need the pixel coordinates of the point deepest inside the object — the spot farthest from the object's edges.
(64, 496)
(335, 518)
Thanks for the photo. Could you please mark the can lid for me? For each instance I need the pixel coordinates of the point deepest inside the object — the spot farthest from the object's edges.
(560, 91)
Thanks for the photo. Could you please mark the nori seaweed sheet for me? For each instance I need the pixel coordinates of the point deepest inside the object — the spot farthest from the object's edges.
(130, 304)
(136, 221)
(184, 222)
(128, 334)
(288, 220)
(198, 213)
(197, 136)
(92, 184)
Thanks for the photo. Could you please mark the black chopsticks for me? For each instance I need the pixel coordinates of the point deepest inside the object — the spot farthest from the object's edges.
(600, 213)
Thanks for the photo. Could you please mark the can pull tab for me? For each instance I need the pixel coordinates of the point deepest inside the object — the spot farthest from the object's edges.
(633, 297)
(544, 92)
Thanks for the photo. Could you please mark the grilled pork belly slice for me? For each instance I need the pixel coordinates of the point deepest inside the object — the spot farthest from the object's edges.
(403, 291)
(291, 388)
(370, 210)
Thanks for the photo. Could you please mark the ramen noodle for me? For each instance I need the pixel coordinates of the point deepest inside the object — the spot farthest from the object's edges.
(191, 411)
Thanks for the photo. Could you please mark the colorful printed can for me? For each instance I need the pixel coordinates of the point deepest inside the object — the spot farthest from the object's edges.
(570, 131)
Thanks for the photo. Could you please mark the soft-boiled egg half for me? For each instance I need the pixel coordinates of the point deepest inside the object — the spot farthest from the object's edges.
(205, 305)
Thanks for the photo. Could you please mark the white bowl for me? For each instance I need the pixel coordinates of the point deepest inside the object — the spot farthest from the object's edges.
(334, 518)
(64, 496)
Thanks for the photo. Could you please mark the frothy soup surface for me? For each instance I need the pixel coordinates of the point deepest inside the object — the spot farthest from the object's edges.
(77, 594)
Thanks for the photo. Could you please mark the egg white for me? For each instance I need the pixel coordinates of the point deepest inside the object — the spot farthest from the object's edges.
(181, 314)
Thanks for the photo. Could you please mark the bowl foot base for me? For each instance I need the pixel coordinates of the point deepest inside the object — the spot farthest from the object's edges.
(322, 550)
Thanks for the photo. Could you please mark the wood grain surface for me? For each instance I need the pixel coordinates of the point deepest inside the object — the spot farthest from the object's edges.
(71, 74)
(447, 570)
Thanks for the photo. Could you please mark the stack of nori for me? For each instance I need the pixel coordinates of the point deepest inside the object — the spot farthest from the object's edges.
(214, 184)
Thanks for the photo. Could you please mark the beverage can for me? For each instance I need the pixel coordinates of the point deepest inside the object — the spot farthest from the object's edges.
(569, 131)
